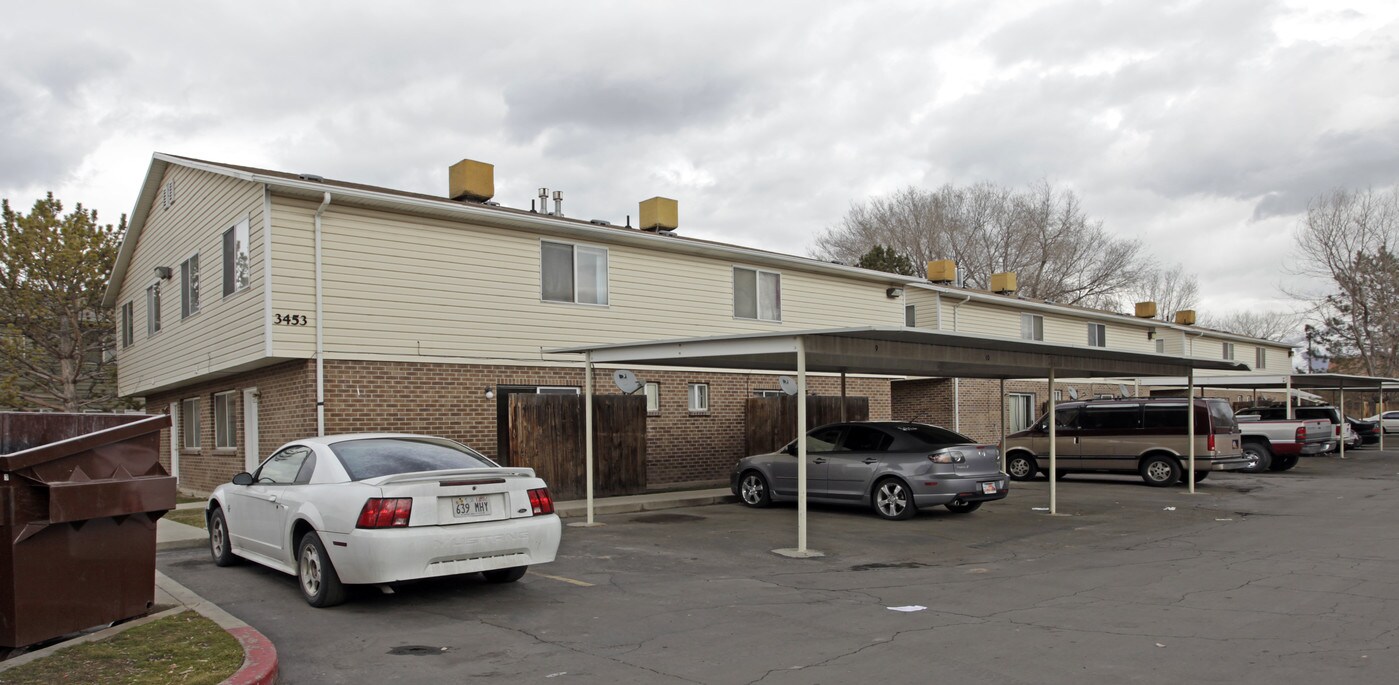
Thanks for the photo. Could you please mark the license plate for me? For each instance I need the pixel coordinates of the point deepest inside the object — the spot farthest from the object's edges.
(988, 488)
(469, 507)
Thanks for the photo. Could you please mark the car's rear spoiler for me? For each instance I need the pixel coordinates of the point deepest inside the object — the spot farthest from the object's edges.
(424, 476)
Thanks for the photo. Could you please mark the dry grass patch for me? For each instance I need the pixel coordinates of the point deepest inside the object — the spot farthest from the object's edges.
(186, 648)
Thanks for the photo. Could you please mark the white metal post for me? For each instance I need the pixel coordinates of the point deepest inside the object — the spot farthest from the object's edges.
(1344, 424)
(1190, 422)
(1288, 399)
(1003, 425)
(801, 446)
(588, 427)
(1053, 447)
(1380, 417)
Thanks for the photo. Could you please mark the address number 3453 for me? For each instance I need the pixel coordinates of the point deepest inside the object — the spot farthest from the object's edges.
(289, 319)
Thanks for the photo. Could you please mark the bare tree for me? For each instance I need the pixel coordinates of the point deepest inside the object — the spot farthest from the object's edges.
(1348, 238)
(1043, 234)
(1171, 289)
(1275, 325)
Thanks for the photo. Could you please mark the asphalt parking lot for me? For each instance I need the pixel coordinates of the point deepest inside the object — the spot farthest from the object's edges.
(1276, 578)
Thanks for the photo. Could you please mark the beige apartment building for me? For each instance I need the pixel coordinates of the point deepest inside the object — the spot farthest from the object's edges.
(259, 306)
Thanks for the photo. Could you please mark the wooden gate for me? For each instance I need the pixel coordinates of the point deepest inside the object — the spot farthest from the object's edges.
(771, 422)
(546, 434)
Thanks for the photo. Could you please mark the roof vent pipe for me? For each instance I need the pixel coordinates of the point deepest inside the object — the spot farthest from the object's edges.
(558, 203)
(543, 200)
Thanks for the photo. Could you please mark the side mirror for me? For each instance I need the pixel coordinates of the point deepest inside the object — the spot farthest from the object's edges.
(791, 449)
(243, 478)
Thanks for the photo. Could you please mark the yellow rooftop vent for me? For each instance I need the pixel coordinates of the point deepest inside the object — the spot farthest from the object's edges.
(1146, 310)
(659, 214)
(942, 271)
(471, 180)
(1186, 317)
(1003, 283)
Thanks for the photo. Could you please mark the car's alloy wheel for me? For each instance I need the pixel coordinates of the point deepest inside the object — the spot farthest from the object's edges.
(219, 543)
(1160, 471)
(319, 582)
(753, 489)
(892, 499)
(1020, 467)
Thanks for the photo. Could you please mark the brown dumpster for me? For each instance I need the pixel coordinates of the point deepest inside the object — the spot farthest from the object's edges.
(80, 495)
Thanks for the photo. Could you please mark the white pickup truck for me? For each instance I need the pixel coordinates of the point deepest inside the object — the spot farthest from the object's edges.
(1277, 444)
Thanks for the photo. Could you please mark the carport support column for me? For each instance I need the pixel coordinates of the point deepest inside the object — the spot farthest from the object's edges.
(588, 427)
(842, 396)
(1190, 422)
(1380, 416)
(801, 445)
(1344, 424)
(1053, 420)
(1003, 425)
(1287, 401)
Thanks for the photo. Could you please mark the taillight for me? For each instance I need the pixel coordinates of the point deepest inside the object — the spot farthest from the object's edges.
(1301, 434)
(1210, 444)
(953, 457)
(541, 502)
(380, 512)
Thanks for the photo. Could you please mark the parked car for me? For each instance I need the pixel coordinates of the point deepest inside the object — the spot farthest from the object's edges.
(382, 508)
(895, 468)
(1147, 437)
(1331, 415)
(1277, 444)
(1366, 432)
(1390, 422)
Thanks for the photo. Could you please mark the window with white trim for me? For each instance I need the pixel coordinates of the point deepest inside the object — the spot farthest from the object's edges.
(152, 309)
(910, 316)
(1020, 411)
(757, 294)
(1228, 350)
(572, 273)
(768, 393)
(1160, 346)
(1260, 358)
(128, 324)
(1097, 335)
(189, 422)
(237, 264)
(555, 390)
(699, 398)
(653, 397)
(225, 420)
(1031, 327)
(189, 286)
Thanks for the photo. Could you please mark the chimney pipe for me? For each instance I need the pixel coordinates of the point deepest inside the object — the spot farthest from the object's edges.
(543, 200)
(558, 203)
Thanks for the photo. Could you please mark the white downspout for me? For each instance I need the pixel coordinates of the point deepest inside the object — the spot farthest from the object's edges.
(956, 382)
(320, 327)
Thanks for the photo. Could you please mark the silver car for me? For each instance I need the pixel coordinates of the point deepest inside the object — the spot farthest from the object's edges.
(896, 468)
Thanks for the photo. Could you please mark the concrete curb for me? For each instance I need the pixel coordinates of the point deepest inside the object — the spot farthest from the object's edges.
(259, 654)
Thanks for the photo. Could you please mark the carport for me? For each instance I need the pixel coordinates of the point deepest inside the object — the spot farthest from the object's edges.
(893, 351)
(1335, 382)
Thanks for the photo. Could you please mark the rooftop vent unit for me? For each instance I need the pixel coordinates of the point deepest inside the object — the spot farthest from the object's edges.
(470, 180)
(659, 214)
(1186, 317)
(1146, 310)
(942, 271)
(315, 178)
(1003, 283)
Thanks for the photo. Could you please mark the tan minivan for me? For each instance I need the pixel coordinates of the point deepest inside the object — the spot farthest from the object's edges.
(1144, 436)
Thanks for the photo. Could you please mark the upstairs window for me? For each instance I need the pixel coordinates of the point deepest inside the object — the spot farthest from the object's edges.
(237, 267)
(572, 273)
(1160, 346)
(1031, 327)
(910, 316)
(1260, 358)
(128, 324)
(757, 294)
(152, 309)
(1228, 350)
(1097, 335)
(189, 286)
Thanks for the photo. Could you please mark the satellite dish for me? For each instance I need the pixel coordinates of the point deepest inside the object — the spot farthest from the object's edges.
(1073, 393)
(788, 385)
(1122, 388)
(626, 381)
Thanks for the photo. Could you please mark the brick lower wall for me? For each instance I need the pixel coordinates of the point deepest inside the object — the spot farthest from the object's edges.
(449, 400)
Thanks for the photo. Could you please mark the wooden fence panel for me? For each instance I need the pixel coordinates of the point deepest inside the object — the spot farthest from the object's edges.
(546, 434)
(771, 422)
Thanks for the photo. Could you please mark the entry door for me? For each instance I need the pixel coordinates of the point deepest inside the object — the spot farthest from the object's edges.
(251, 455)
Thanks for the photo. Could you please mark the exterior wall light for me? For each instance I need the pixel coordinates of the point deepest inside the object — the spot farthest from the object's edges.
(163, 273)
(894, 293)
(490, 393)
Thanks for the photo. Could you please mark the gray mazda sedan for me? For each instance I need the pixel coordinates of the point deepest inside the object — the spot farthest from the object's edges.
(896, 468)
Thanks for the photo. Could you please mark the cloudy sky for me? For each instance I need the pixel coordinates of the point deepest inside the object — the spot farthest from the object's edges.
(1201, 128)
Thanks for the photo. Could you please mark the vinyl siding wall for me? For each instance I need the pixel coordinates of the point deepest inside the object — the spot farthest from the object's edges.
(226, 331)
(411, 288)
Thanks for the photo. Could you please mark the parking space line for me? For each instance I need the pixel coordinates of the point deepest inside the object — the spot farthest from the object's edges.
(561, 579)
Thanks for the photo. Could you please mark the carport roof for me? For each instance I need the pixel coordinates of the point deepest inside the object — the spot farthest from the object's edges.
(1314, 381)
(899, 351)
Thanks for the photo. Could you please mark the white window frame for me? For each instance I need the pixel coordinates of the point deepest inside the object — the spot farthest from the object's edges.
(652, 391)
(768, 393)
(1097, 335)
(232, 284)
(1160, 346)
(698, 398)
(1027, 399)
(152, 309)
(226, 420)
(1058, 396)
(911, 315)
(128, 324)
(758, 294)
(189, 416)
(1227, 350)
(1260, 358)
(605, 294)
(189, 306)
(1032, 327)
(556, 390)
